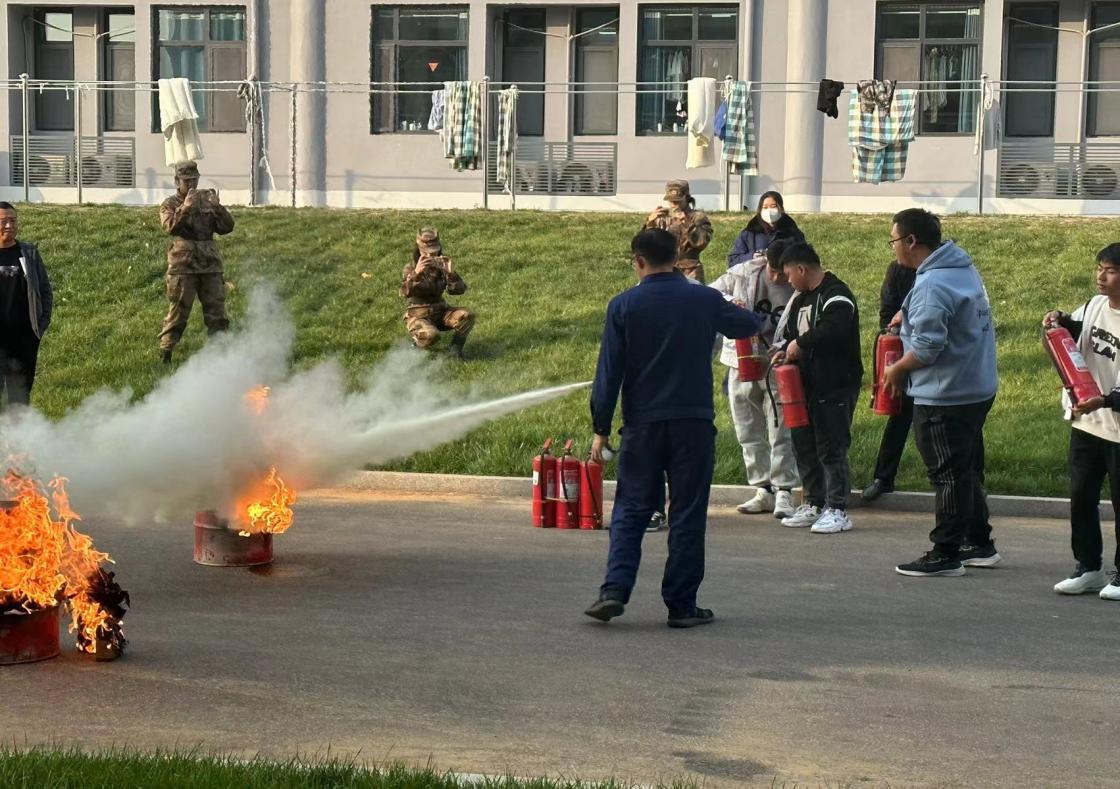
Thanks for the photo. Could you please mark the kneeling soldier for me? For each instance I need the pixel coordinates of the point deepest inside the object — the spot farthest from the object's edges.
(423, 283)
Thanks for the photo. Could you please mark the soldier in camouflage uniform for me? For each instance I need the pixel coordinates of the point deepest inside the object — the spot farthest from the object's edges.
(423, 283)
(692, 228)
(194, 268)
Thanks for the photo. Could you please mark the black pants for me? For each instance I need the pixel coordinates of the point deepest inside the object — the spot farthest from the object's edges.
(1090, 459)
(18, 358)
(821, 449)
(894, 441)
(951, 442)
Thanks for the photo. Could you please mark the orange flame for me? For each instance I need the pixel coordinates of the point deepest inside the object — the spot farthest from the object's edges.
(267, 508)
(257, 398)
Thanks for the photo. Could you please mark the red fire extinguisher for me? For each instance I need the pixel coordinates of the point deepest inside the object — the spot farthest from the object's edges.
(591, 495)
(544, 487)
(752, 362)
(888, 350)
(567, 500)
(1069, 362)
(791, 395)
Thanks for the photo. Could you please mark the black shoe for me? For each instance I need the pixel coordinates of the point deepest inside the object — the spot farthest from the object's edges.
(876, 489)
(657, 522)
(698, 616)
(165, 356)
(605, 609)
(979, 555)
(455, 349)
(930, 564)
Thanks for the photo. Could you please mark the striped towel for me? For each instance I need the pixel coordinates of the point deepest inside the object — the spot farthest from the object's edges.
(507, 134)
(462, 124)
(881, 140)
(740, 144)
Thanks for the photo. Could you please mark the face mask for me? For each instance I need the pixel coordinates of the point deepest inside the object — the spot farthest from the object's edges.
(771, 215)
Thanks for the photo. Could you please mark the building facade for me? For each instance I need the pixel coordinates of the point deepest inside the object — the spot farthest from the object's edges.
(602, 113)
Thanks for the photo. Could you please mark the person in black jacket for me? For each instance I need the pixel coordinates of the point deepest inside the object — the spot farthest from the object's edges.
(25, 309)
(822, 338)
(896, 285)
(770, 222)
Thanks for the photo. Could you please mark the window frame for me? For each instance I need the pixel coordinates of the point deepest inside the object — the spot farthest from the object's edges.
(375, 45)
(695, 43)
(41, 47)
(1055, 6)
(923, 41)
(1092, 65)
(577, 49)
(107, 51)
(208, 45)
(541, 46)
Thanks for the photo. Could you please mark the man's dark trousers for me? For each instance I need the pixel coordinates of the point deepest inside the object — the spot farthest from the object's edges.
(951, 442)
(821, 449)
(18, 360)
(1090, 459)
(894, 441)
(685, 450)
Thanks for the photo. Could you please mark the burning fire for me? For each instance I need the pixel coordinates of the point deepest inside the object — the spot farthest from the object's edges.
(44, 560)
(267, 507)
(257, 398)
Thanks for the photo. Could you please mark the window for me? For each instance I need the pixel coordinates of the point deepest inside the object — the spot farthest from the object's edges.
(1032, 55)
(54, 60)
(118, 64)
(935, 43)
(204, 45)
(426, 45)
(596, 112)
(1104, 65)
(523, 44)
(677, 44)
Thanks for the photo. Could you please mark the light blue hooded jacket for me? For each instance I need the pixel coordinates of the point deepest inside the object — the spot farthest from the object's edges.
(947, 323)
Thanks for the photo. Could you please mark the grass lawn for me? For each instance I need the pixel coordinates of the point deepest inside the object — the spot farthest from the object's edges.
(539, 283)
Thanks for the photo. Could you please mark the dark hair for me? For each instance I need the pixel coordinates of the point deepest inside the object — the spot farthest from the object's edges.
(777, 199)
(6, 206)
(800, 254)
(775, 250)
(1110, 254)
(921, 224)
(657, 246)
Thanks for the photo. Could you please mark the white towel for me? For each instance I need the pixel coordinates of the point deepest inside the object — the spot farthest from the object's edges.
(701, 122)
(178, 119)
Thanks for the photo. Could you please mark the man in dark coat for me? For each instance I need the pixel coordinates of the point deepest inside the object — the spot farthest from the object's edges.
(26, 302)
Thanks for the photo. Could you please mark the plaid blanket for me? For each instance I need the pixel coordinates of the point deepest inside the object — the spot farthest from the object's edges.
(507, 134)
(462, 124)
(881, 141)
(740, 144)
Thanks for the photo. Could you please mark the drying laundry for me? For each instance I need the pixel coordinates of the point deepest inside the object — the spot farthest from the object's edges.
(740, 144)
(439, 104)
(178, 120)
(827, 94)
(701, 122)
(462, 138)
(507, 135)
(875, 93)
(881, 139)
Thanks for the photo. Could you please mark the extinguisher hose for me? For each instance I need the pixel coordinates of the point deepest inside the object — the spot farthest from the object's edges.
(875, 368)
(770, 392)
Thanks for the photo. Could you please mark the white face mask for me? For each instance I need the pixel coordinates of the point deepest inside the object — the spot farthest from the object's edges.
(770, 215)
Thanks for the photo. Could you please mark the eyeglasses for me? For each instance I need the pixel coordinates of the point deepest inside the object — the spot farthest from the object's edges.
(893, 241)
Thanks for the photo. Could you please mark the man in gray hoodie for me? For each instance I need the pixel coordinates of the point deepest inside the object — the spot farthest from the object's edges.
(949, 368)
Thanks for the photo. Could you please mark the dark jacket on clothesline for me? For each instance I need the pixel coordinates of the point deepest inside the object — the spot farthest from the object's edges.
(756, 236)
(827, 95)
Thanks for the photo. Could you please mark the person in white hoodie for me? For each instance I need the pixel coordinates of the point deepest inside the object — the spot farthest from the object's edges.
(771, 467)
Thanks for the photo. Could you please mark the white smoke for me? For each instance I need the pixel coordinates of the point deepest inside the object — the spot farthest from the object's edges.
(195, 442)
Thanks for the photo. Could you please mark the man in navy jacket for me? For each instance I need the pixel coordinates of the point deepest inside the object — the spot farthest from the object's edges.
(657, 348)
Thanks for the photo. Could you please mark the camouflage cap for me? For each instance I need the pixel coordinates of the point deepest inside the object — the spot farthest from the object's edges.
(186, 170)
(427, 241)
(676, 191)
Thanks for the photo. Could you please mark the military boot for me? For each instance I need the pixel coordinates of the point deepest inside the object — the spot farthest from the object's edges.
(165, 356)
(455, 349)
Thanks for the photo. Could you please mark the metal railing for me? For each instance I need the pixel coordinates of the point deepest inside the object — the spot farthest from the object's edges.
(52, 160)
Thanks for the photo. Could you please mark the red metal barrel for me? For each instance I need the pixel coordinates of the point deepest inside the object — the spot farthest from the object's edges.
(27, 638)
(217, 545)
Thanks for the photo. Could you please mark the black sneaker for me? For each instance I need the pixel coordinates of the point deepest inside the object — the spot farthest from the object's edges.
(605, 609)
(657, 522)
(698, 616)
(979, 555)
(876, 489)
(930, 564)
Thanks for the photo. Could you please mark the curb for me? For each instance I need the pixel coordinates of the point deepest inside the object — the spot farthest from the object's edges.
(722, 495)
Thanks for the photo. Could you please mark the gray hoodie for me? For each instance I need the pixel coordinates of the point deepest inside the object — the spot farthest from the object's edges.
(947, 323)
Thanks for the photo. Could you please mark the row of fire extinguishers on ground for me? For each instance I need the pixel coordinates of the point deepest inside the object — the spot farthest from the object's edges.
(567, 491)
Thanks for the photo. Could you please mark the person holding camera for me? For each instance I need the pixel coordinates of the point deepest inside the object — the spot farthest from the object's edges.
(192, 217)
(423, 283)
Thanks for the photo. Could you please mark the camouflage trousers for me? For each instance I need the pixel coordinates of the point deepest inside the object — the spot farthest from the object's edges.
(425, 322)
(182, 289)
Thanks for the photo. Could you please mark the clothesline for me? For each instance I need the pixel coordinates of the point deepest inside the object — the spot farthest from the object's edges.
(564, 36)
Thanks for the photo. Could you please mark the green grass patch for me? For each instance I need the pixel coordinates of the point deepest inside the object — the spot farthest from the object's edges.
(539, 283)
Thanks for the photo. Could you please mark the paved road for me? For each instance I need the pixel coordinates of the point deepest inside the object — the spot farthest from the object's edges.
(406, 628)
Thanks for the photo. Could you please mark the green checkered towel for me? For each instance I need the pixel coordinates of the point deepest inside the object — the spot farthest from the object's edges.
(462, 125)
(881, 141)
(740, 144)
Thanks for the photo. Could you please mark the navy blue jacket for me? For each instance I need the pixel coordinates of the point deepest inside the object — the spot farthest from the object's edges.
(755, 238)
(657, 347)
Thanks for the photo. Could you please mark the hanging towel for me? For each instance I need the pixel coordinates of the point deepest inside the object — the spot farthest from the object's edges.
(827, 94)
(740, 145)
(991, 121)
(178, 120)
(435, 119)
(462, 142)
(875, 93)
(701, 122)
(721, 120)
(881, 140)
(507, 135)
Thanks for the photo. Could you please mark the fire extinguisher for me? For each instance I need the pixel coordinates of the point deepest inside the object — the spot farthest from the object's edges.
(1070, 364)
(752, 362)
(791, 395)
(591, 495)
(888, 350)
(544, 488)
(567, 502)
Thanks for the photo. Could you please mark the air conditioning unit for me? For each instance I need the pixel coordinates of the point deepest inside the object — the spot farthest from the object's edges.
(1033, 179)
(48, 169)
(1100, 181)
(107, 170)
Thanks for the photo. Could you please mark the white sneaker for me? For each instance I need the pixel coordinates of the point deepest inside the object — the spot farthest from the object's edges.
(783, 504)
(763, 501)
(1083, 581)
(832, 521)
(803, 516)
(1112, 591)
